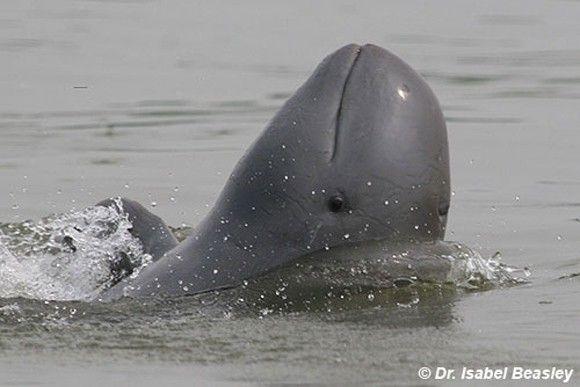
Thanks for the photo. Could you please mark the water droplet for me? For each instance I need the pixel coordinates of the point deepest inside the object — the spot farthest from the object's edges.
(386, 202)
(215, 271)
(153, 204)
(369, 183)
(346, 236)
(371, 297)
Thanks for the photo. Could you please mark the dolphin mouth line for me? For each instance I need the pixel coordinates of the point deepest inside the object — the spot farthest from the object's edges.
(357, 55)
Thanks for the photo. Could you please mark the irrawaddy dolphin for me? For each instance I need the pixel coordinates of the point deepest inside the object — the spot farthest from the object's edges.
(358, 155)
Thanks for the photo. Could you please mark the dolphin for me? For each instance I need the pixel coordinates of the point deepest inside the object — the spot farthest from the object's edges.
(358, 155)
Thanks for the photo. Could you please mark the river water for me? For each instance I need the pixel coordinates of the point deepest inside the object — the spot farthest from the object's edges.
(156, 101)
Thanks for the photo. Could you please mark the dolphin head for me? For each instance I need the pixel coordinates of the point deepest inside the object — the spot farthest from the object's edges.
(358, 153)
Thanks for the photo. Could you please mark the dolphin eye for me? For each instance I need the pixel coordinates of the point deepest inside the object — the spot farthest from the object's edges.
(443, 209)
(336, 203)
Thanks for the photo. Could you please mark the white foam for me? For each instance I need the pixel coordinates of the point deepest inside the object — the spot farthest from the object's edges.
(38, 260)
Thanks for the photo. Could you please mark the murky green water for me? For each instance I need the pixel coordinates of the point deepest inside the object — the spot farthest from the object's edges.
(157, 101)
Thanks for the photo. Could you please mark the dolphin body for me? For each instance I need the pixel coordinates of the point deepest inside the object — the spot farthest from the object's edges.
(357, 155)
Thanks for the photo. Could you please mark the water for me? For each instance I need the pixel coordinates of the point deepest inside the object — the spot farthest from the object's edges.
(71, 256)
(157, 102)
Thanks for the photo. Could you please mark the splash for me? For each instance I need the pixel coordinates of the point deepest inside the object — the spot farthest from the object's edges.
(66, 257)
(472, 271)
(376, 274)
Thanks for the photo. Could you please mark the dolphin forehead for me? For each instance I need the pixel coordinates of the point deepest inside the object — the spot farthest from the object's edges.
(391, 146)
(389, 118)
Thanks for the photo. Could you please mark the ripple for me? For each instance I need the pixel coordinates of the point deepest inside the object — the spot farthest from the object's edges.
(540, 58)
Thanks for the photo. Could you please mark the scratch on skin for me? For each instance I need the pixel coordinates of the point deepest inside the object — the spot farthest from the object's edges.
(314, 233)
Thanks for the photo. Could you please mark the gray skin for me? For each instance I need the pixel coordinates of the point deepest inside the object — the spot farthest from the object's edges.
(358, 154)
